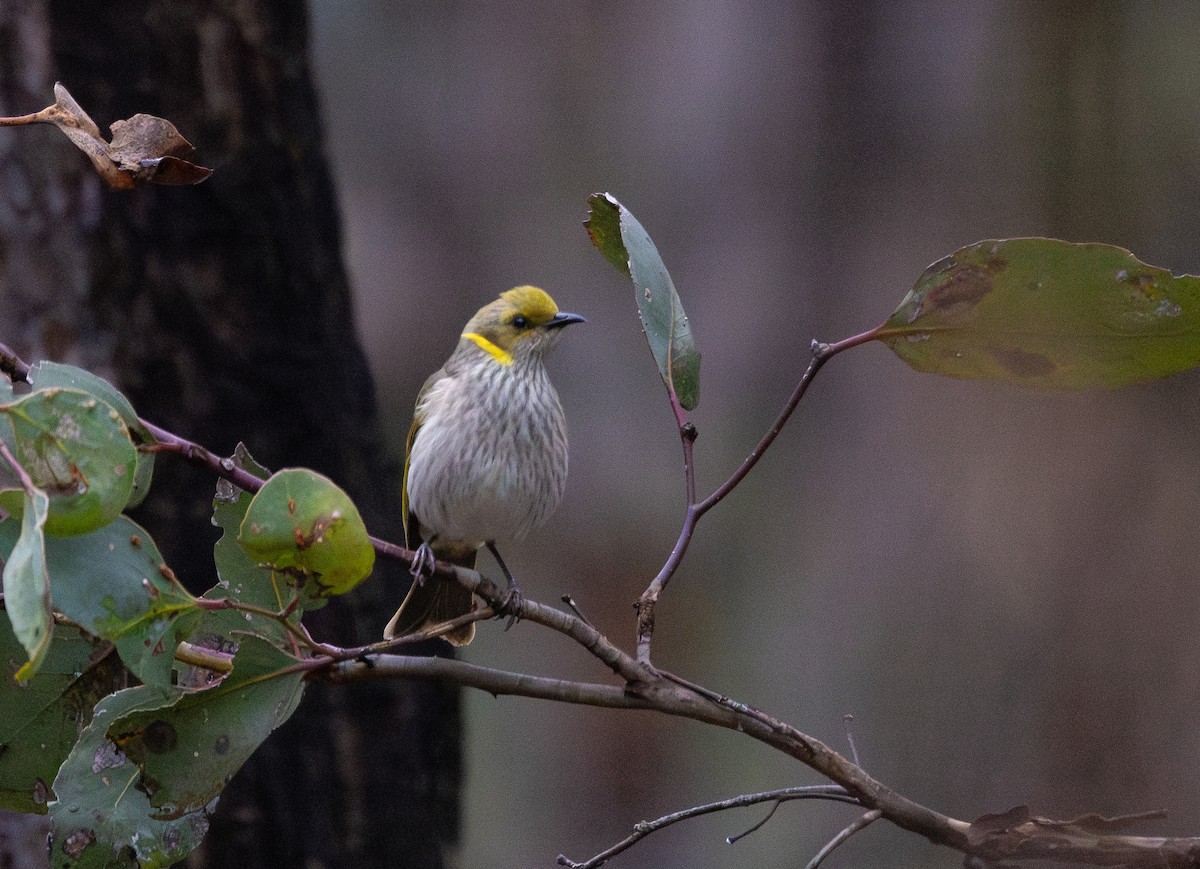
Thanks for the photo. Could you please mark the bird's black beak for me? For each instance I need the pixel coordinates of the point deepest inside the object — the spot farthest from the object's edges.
(562, 318)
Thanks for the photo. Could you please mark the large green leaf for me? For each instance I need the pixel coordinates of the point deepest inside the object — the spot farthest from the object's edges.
(42, 719)
(190, 750)
(76, 448)
(27, 584)
(1049, 314)
(623, 241)
(114, 583)
(138, 787)
(301, 522)
(102, 816)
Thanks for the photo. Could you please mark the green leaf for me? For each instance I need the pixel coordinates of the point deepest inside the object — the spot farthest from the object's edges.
(115, 584)
(43, 375)
(42, 719)
(239, 576)
(102, 816)
(77, 449)
(625, 243)
(46, 375)
(301, 521)
(1048, 314)
(27, 585)
(189, 751)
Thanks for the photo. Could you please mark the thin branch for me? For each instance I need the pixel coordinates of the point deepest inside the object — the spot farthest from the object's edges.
(22, 475)
(645, 828)
(857, 825)
(821, 353)
(12, 365)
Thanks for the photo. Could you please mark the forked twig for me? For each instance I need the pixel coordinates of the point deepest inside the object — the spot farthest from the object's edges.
(821, 353)
(645, 828)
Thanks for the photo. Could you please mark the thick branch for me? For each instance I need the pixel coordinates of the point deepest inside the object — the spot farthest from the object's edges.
(495, 682)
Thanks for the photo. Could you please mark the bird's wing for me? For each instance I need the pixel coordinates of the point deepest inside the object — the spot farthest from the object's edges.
(412, 530)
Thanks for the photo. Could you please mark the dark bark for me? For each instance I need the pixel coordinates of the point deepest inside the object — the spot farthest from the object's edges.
(223, 310)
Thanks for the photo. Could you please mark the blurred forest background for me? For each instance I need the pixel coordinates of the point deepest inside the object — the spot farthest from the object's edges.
(998, 585)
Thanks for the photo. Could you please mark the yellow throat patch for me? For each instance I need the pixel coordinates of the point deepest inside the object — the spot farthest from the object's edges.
(498, 353)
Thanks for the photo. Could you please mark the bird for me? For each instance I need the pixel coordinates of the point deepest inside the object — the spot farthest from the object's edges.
(486, 455)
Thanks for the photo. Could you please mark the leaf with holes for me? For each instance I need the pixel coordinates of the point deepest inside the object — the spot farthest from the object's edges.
(187, 752)
(102, 816)
(1048, 314)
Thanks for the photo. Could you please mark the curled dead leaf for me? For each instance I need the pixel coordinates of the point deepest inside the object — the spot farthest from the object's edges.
(144, 149)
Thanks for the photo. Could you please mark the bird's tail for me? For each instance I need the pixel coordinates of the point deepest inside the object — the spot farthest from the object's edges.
(433, 602)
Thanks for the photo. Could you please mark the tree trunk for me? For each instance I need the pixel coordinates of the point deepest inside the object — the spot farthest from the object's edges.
(223, 311)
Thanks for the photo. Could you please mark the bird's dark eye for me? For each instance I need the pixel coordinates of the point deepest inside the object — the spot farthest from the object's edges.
(520, 321)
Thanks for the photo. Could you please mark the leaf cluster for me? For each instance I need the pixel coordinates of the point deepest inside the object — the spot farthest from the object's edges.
(130, 703)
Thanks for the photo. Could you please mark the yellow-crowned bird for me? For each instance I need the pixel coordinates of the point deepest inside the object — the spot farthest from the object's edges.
(487, 452)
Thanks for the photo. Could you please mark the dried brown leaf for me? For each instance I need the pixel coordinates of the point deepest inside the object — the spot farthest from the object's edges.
(151, 150)
(144, 149)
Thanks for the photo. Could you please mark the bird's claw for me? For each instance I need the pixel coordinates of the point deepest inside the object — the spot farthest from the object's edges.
(510, 606)
(422, 564)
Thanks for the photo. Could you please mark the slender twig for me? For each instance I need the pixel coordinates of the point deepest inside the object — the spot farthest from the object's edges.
(42, 117)
(645, 828)
(18, 469)
(12, 364)
(849, 720)
(821, 353)
(858, 824)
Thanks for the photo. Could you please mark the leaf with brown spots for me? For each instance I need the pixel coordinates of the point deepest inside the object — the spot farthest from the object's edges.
(75, 448)
(303, 524)
(1048, 314)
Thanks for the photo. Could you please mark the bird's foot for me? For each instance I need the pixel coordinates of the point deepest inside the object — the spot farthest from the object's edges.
(510, 606)
(422, 563)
